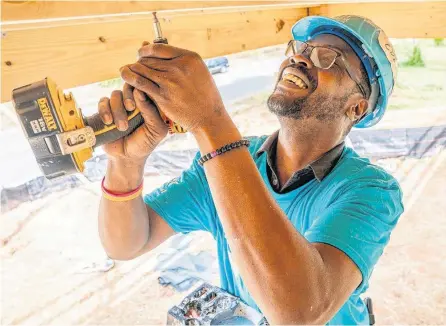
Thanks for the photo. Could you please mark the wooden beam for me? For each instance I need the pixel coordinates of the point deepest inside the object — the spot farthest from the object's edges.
(13, 10)
(80, 54)
(397, 19)
(47, 9)
(166, 15)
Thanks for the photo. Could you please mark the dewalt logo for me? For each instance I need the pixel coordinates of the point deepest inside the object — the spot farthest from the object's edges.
(46, 113)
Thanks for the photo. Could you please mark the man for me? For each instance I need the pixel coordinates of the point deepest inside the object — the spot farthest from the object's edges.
(300, 220)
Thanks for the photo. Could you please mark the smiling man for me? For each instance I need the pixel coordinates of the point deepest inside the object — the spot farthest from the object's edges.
(300, 219)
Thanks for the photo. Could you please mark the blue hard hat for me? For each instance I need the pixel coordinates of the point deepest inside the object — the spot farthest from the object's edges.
(371, 45)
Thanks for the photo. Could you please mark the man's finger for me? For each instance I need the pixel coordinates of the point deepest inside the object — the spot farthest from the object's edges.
(156, 64)
(148, 110)
(160, 51)
(118, 111)
(104, 110)
(155, 76)
(141, 83)
(129, 102)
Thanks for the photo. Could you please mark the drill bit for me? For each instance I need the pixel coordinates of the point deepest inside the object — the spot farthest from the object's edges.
(158, 34)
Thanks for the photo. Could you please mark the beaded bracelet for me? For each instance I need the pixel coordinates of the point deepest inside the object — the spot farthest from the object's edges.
(224, 149)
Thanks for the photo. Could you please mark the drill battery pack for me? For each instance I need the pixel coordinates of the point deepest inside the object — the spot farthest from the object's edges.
(54, 127)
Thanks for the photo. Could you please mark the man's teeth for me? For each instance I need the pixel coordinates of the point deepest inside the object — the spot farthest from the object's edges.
(295, 80)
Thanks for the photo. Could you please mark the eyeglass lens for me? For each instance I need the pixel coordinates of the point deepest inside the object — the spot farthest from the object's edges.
(320, 56)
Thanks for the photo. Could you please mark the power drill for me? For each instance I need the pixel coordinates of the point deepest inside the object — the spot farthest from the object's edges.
(61, 138)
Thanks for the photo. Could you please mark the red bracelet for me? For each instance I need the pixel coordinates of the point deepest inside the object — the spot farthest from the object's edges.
(116, 196)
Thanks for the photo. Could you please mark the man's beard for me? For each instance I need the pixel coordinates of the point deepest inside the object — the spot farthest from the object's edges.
(320, 106)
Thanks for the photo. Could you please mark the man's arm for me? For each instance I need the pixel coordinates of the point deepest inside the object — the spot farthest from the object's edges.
(129, 229)
(290, 279)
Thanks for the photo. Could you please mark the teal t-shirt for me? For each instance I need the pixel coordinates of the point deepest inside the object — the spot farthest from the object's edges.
(354, 208)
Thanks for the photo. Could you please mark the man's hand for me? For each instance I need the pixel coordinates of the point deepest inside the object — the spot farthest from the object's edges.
(139, 144)
(180, 84)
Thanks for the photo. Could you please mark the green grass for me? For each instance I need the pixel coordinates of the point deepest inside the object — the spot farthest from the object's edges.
(416, 59)
(419, 86)
(438, 41)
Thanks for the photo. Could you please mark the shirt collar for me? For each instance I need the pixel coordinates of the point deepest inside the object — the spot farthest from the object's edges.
(268, 144)
(321, 167)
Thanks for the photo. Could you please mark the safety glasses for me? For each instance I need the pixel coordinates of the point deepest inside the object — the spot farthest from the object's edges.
(323, 57)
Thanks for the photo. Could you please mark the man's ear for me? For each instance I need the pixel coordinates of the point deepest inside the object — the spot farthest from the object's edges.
(356, 110)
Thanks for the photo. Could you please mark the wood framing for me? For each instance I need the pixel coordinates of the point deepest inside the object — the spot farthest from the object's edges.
(80, 42)
(398, 19)
(13, 10)
(46, 9)
(89, 52)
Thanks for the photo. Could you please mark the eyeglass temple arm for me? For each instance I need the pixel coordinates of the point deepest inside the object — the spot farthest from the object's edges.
(353, 76)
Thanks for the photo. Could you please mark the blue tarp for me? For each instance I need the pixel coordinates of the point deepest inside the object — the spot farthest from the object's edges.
(374, 144)
(181, 269)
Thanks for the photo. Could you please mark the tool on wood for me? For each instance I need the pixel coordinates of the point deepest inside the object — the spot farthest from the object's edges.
(61, 138)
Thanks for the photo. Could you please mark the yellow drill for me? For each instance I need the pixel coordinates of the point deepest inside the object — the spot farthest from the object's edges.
(61, 138)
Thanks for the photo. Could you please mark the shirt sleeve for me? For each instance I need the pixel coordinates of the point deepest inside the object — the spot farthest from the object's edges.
(185, 202)
(359, 223)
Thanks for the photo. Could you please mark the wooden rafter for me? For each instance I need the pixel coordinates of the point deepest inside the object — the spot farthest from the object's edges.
(105, 35)
(82, 53)
(397, 19)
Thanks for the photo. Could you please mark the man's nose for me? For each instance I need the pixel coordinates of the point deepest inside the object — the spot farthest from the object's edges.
(301, 60)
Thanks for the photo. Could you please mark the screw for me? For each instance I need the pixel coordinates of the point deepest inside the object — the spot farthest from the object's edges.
(8, 63)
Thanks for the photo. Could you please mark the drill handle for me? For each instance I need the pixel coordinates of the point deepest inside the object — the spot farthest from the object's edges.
(109, 133)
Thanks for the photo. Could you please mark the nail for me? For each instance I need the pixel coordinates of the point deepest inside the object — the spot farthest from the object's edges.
(122, 125)
(107, 118)
(129, 104)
